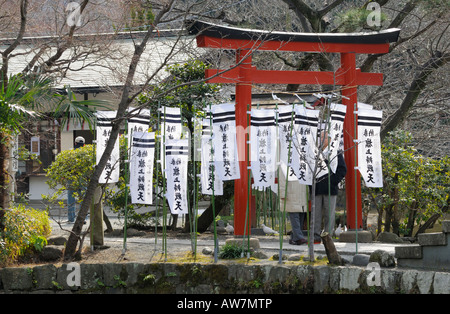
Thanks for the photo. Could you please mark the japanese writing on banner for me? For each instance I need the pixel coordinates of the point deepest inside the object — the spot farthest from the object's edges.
(209, 179)
(177, 154)
(263, 145)
(110, 173)
(369, 147)
(141, 167)
(286, 122)
(224, 141)
(306, 122)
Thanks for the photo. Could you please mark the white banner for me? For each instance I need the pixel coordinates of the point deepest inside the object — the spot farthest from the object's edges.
(263, 147)
(141, 167)
(207, 159)
(177, 155)
(224, 141)
(110, 173)
(306, 122)
(369, 147)
(335, 133)
(286, 123)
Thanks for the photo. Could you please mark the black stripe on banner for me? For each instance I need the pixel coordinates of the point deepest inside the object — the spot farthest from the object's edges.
(334, 118)
(104, 124)
(299, 116)
(171, 120)
(175, 147)
(253, 118)
(144, 145)
(171, 115)
(231, 119)
(177, 153)
(369, 123)
(283, 114)
(369, 118)
(105, 119)
(285, 120)
(143, 140)
(225, 113)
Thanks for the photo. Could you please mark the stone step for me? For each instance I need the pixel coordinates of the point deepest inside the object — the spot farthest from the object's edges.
(446, 226)
(430, 239)
(410, 251)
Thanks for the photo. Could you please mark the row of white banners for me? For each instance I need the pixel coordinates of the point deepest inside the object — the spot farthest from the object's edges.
(273, 134)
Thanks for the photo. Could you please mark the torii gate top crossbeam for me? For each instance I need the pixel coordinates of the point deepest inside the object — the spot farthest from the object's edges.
(225, 37)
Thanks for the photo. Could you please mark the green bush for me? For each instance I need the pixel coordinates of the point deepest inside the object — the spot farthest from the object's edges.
(231, 251)
(26, 230)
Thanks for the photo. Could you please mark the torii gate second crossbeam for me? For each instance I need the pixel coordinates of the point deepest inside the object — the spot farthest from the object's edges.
(244, 75)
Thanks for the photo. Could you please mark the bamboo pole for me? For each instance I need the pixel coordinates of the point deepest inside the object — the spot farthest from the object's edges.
(127, 177)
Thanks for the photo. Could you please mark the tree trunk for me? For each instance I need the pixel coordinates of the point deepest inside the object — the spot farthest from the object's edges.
(97, 219)
(207, 218)
(4, 153)
(428, 224)
(125, 101)
(333, 256)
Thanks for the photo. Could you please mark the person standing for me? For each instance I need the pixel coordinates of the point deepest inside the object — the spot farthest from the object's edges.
(296, 207)
(71, 202)
(325, 199)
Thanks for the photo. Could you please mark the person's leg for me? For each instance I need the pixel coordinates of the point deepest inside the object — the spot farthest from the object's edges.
(318, 217)
(296, 225)
(329, 216)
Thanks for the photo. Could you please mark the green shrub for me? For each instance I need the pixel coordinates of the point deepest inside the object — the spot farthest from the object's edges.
(231, 251)
(26, 230)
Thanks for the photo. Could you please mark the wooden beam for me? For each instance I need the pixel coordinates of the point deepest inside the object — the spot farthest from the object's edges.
(292, 77)
(272, 45)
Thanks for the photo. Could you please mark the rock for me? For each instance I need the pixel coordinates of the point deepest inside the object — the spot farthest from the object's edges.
(295, 257)
(260, 255)
(51, 253)
(276, 257)
(56, 240)
(252, 242)
(131, 232)
(361, 260)
(207, 251)
(383, 258)
(389, 237)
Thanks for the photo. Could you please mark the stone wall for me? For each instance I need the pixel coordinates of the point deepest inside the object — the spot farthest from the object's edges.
(218, 278)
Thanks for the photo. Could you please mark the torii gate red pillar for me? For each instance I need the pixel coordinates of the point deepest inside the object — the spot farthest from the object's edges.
(352, 178)
(243, 103)
(244, 41)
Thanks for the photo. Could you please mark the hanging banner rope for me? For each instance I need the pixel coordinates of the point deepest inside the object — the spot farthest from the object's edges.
(224, 141)
(263, 145)
(110, 173)
(141, 167)
(306, 122)
(210, 181)
(369, 147)
(177, 155)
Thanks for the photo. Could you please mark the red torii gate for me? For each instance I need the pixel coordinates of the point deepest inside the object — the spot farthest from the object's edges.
(244, 75)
